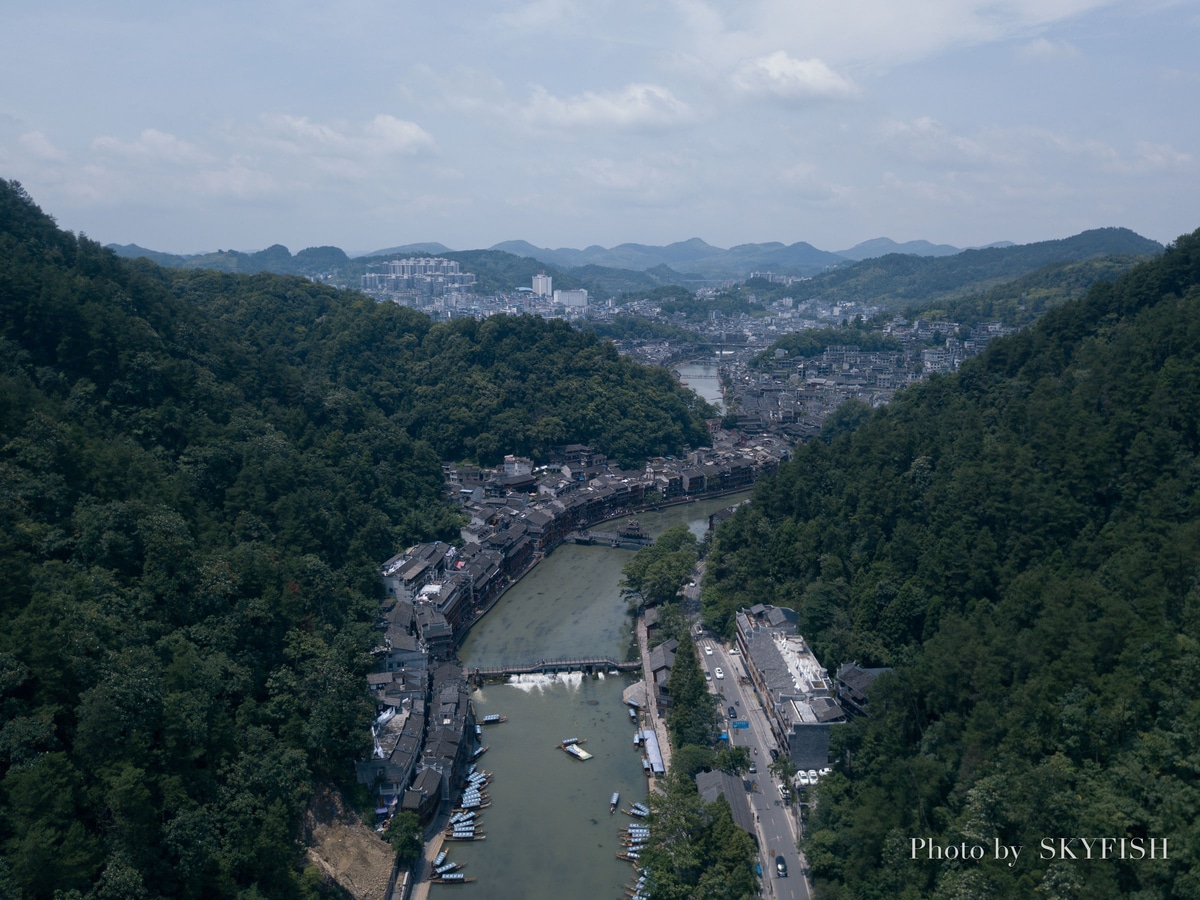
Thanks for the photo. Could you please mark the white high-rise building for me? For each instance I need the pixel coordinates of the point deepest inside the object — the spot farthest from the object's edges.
(542, 285)
(571, 298)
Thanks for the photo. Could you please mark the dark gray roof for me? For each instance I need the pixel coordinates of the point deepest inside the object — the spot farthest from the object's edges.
(721, 784)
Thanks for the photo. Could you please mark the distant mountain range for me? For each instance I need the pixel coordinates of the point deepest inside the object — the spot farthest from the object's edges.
(636, 267)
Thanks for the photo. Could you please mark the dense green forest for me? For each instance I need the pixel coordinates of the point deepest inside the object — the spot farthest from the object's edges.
(1021, 542)
(199, 474)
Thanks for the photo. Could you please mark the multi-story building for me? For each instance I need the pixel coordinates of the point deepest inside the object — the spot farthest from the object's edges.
(796, 690)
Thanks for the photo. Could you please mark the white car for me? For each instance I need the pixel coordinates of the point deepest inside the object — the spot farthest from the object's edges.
(719, 673)
(812, 776)
(708, 649)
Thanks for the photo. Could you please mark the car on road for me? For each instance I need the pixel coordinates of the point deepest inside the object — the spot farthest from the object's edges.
(708, 649)
(781, 867)
(732, 713)
(774, 754)
(717, 671)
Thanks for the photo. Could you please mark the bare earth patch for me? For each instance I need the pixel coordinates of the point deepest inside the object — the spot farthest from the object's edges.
(345, 849)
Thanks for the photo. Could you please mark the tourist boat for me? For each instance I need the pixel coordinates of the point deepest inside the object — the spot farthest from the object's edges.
(448, 867)
(474, 804)
(493, 719)
(568, 742)
(482, 750)
(613, 801)
(576, 751)
(451, 878)
(439, 859)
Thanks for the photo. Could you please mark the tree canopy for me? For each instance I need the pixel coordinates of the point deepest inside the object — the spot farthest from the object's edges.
(199, 475)
(1021, 542)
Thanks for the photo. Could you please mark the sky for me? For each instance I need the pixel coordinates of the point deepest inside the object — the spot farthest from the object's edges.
(361, 124)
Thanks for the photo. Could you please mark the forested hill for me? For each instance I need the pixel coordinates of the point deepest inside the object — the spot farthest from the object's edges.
(899, 281)
(1022, 543)
(199, 474)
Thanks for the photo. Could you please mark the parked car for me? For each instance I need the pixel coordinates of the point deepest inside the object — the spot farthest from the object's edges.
(774, 754)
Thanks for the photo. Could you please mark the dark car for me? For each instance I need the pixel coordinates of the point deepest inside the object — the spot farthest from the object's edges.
(781, 867)
(774, 754)
(732, 713)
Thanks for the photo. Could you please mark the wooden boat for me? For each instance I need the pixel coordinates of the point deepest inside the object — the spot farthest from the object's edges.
(493, 719)
(613, 802)
(452, 878)
(576, 751)
(482, 750)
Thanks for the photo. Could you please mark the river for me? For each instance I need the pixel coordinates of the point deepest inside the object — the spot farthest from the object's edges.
(704, 379)
(549, 831)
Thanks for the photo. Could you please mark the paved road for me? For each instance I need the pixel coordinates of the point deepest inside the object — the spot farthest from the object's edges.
(778, 826)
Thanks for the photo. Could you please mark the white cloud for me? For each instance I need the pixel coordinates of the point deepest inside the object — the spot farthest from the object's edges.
(383, 135)
(39, 146)
(151, 146)
(781, 76)
(540, 14)
(1163, 157)
(1043, 49)
(635, 106)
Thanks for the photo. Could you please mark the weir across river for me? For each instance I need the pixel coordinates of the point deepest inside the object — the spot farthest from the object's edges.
(588, 665)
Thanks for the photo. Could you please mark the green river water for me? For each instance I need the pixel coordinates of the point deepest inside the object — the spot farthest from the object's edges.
(549, 831)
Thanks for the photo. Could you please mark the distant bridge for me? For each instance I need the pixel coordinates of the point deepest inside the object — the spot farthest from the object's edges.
(586, 664)
(612, 538)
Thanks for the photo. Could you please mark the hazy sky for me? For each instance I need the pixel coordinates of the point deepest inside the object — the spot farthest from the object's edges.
(367, 124)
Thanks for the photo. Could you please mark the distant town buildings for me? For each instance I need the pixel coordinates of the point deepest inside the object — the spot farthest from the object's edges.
(418, 279)
(542, 285)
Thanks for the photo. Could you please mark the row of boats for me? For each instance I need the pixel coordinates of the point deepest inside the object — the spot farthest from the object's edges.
(446, 872)
(464, 823)
(634, 838)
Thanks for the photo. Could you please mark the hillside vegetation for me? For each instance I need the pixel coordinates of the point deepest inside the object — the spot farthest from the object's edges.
(1021, 542)
(199, 474)
(898, 281)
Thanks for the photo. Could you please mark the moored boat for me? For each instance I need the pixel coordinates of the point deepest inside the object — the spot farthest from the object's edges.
(576, 751)
(613, 801)
(451, 878)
